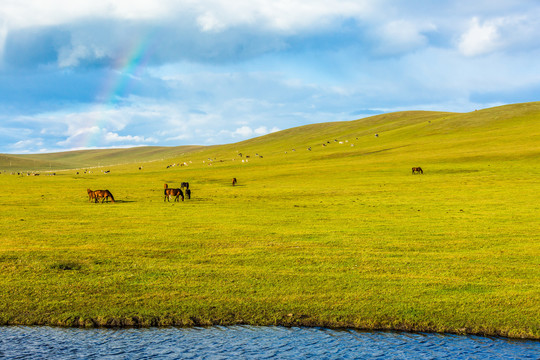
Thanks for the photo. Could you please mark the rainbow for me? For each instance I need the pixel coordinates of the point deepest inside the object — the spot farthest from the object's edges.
(117, 85)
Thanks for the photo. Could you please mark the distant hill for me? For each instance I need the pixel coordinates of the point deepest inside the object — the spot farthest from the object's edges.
(91, 158)
(504, 131)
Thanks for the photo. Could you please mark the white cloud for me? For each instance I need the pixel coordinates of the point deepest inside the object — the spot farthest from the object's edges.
(211, 14)
(247, 131)
(30, 13)
(399, 36)
(244, 131)
(112, 138)
(263, 130)
(209, 22)
(27, 144)
(70, 56)
(480, 38)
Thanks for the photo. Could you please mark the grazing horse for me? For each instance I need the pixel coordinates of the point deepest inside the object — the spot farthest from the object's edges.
(172, 192)
(233, 181)
(100, 194)
(417, 170)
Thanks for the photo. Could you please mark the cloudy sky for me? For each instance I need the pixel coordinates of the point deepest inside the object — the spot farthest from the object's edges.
(79, 74)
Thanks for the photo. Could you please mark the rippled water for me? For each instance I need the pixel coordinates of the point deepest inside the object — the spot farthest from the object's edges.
(246, 342)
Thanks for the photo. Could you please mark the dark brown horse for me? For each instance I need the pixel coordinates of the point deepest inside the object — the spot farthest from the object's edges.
(417, 170)
(173, 192)
(234, 181)
(100, 194)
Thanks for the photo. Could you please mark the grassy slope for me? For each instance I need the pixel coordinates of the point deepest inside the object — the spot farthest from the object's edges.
(90, 158)
(337, 236)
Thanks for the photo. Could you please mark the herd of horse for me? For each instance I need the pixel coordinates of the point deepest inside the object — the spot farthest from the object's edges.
(177, 193)
(104, 195)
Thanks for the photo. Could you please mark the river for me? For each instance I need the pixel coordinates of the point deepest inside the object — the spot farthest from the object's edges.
(248, 342)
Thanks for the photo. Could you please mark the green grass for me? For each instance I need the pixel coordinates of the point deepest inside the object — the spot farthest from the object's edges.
(338, 236)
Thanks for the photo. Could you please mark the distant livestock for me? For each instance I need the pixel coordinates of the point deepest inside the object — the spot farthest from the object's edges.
(234, 181)
(417, 170)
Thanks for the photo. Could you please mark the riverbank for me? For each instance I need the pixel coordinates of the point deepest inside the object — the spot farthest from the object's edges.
(288, 321)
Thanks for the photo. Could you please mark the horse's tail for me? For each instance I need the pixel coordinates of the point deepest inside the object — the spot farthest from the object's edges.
(109, 193)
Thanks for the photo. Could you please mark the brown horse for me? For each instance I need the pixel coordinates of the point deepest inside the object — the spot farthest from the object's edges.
(173, 192)
(234, 181)
(100, 194)
(417, 170)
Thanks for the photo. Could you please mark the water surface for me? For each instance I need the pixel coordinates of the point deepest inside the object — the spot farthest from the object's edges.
(248, 342)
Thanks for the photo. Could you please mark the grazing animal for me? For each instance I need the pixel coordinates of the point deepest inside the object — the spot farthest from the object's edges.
(100, 194)
(234, 181)
(173, 192)
(188, 193)
(417, 170)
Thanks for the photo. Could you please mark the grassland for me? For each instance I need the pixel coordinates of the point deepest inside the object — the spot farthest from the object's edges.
(338, 236)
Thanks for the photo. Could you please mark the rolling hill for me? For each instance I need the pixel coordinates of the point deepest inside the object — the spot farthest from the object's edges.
(505, 132)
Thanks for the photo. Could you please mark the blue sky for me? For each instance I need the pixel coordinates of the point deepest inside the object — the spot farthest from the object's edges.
(121, 73)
